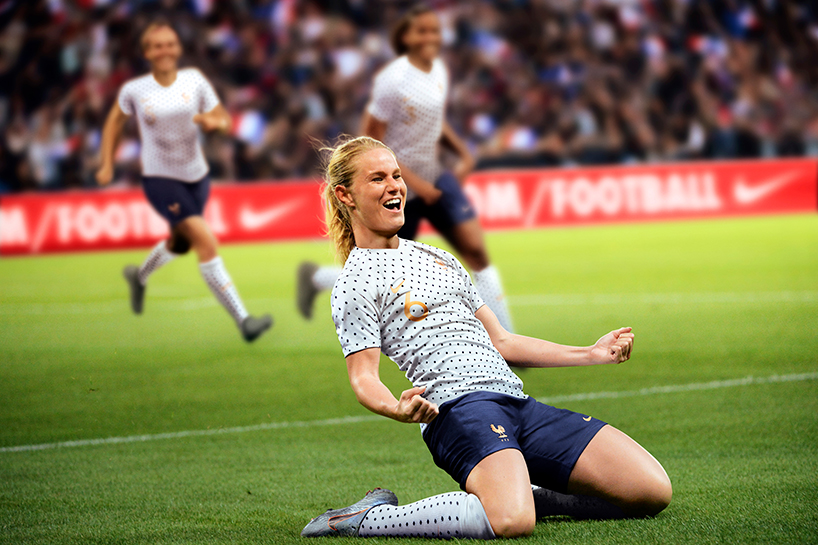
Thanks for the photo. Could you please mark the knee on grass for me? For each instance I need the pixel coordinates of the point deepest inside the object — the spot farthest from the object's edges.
(651, 499)
(513, 524)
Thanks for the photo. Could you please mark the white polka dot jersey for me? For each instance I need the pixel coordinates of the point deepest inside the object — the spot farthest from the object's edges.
(170, 138)
(417, 303)
(413, 105)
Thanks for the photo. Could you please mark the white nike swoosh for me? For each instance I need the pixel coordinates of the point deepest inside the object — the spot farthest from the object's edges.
(745, 194)
(253, 220)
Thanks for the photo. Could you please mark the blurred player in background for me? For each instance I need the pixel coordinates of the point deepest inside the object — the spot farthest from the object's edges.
(170, 106)
(416, 304)
(407, 111)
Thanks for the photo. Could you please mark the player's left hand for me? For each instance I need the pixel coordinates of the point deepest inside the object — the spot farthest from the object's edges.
(211, 121)
(463, 168)
(615, 347)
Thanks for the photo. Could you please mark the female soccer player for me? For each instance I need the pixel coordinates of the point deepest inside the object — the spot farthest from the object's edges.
(417, 305)
(407, 112)
(169, 105)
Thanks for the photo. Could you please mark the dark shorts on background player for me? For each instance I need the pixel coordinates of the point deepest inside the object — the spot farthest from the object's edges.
(471, 427)
(175, 200)
(452, 208)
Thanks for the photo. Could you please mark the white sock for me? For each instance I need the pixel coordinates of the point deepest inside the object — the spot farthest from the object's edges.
(452, 515)
(160, 255)
(324, 278)
(490, 289)
(222, 287)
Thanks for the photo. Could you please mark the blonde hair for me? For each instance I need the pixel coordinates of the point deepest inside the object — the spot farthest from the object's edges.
(340, 171)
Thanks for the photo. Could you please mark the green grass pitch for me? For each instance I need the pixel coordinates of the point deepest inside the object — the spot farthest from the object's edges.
(710, 302)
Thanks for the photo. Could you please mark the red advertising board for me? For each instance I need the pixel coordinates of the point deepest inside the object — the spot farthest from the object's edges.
(536, 198)
(93, 220)
(514, 199)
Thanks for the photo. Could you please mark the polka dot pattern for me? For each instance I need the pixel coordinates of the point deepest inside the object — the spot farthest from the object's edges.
(413, 105)
(417, 303)
(435, 517)
(170, 138)
(218, 280)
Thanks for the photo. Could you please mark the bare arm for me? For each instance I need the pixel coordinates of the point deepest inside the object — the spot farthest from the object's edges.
(371, 393)
(521, 351)
(215, 119)
(465, 163)
(375, 128)
(110, 136)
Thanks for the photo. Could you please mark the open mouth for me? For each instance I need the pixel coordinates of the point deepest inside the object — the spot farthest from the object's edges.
(392, 204)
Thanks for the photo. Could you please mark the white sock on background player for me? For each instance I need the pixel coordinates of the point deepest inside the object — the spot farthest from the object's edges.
(490, 288)
(325, 277)
(160, 255)
(452, 515)
(219, 282)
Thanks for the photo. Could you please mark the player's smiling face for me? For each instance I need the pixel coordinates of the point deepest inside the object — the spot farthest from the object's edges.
(376, 198)
(423, 38)
(163, 49)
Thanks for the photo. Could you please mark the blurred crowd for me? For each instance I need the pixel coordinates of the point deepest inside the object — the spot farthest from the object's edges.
(533, 82)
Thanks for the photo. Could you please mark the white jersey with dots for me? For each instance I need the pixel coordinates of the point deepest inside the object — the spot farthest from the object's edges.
(417, 303)
(412, 103)
(170, 138)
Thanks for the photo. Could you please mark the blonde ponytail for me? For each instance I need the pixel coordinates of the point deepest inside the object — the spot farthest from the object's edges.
(340, 171)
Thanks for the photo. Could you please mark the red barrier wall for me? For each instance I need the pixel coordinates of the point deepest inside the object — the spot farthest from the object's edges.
(92, 220)
(526, 199)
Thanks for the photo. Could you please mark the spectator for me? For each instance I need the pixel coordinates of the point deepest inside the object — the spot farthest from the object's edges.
(533, 82)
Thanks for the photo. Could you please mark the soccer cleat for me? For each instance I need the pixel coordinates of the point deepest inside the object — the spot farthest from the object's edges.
(347, 521)
(307, 291)
(131, 274)
(252, 327)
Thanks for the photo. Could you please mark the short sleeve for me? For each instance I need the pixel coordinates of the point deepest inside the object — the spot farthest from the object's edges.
(473, 298)
(355, 313)
(385, 102)
(125, 100)
(208, 99)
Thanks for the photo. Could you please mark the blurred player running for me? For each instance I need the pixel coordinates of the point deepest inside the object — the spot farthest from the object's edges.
(170, 106)
(417, 305)
(407, 112)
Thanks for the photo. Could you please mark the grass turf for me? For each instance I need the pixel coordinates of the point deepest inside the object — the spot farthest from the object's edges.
(709, 301)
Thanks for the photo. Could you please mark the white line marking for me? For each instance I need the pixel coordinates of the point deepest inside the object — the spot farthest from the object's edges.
(676, 388)
(167, 304)
(799, 377)
(193, 433)
(666, 298)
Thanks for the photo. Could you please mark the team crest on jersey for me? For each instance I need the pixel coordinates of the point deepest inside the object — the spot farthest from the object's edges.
(150, 116)
(410, 111)
(500, 431)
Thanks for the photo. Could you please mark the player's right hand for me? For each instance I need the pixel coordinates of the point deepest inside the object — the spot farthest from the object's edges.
(105, 174)
(414, 408)
(430, 195)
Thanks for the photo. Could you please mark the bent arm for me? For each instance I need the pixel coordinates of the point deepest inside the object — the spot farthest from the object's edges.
(465, 163)
(426, 190)
(374, 395)
(110, 136)
(522, 351)
(215, 119)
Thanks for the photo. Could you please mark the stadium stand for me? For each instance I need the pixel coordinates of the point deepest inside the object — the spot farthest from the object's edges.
(534, 82)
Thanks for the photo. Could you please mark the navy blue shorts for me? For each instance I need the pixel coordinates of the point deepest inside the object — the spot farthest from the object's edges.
(452, 208)
(175, 200)
(475, 425)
